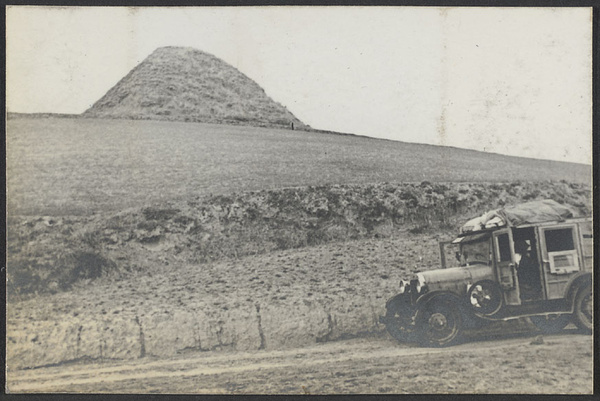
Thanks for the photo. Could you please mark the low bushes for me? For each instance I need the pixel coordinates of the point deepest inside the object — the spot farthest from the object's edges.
(51, 257)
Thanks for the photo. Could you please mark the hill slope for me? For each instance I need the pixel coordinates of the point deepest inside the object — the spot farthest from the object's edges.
(185, 84)
(284, 268)
(61, 250)
(80, 166)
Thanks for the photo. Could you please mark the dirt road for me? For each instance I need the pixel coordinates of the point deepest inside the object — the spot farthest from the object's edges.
(516, 364)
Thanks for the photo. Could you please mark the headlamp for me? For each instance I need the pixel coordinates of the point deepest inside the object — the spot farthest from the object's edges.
(403, 285)
(421, 286)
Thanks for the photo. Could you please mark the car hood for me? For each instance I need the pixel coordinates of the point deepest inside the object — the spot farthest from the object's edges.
(458, 274)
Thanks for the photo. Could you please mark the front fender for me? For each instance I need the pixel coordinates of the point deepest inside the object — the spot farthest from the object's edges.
(440, 296)
(401, 303)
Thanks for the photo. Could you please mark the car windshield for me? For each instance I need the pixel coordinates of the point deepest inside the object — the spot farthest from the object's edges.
(475, 251)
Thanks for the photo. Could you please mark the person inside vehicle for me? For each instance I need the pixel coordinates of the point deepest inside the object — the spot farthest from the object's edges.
(527, 271)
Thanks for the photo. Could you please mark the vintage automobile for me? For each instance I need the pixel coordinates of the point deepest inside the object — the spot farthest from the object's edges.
(530, 260)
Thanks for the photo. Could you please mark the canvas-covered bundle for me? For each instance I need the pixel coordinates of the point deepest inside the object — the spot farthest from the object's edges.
(524, 213)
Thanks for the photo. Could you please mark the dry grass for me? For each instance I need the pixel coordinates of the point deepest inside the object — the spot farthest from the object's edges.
(61, 167)
(50, 254)
(94, 168)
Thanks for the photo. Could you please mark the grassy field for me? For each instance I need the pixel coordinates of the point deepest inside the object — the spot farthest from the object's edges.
(63, 166)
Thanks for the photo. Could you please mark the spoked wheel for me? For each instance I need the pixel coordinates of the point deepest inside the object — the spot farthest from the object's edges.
(583, 316)
(550, 324)
(440, 324)
(396, 324)
(485, 297)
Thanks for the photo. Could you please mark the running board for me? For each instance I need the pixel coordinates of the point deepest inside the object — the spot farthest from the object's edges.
(507, 318)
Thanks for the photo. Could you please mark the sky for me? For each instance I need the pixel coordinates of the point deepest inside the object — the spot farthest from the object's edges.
(514, 81)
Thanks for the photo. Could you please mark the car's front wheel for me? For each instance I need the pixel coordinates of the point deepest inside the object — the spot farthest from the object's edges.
(440, 323)
(485, 297)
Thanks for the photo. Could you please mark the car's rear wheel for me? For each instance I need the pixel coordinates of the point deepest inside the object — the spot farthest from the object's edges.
(440, 323)
(583, 315)
(550, 324)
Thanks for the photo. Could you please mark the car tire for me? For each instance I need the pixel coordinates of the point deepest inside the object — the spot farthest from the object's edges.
(550, 324)
(440, 323)
(485, 297)
(394, 324)
(583, 314)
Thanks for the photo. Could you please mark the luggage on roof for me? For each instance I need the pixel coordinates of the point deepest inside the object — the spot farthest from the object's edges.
(524, 213)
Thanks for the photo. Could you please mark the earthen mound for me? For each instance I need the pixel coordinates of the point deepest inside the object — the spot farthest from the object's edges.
(185, 84)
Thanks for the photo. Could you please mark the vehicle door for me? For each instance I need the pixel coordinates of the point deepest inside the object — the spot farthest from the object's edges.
(561, 256)
(506, 272)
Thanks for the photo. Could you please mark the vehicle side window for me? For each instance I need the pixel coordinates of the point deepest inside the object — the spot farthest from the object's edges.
(559, 240)
(504, 248)
(561, 250)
